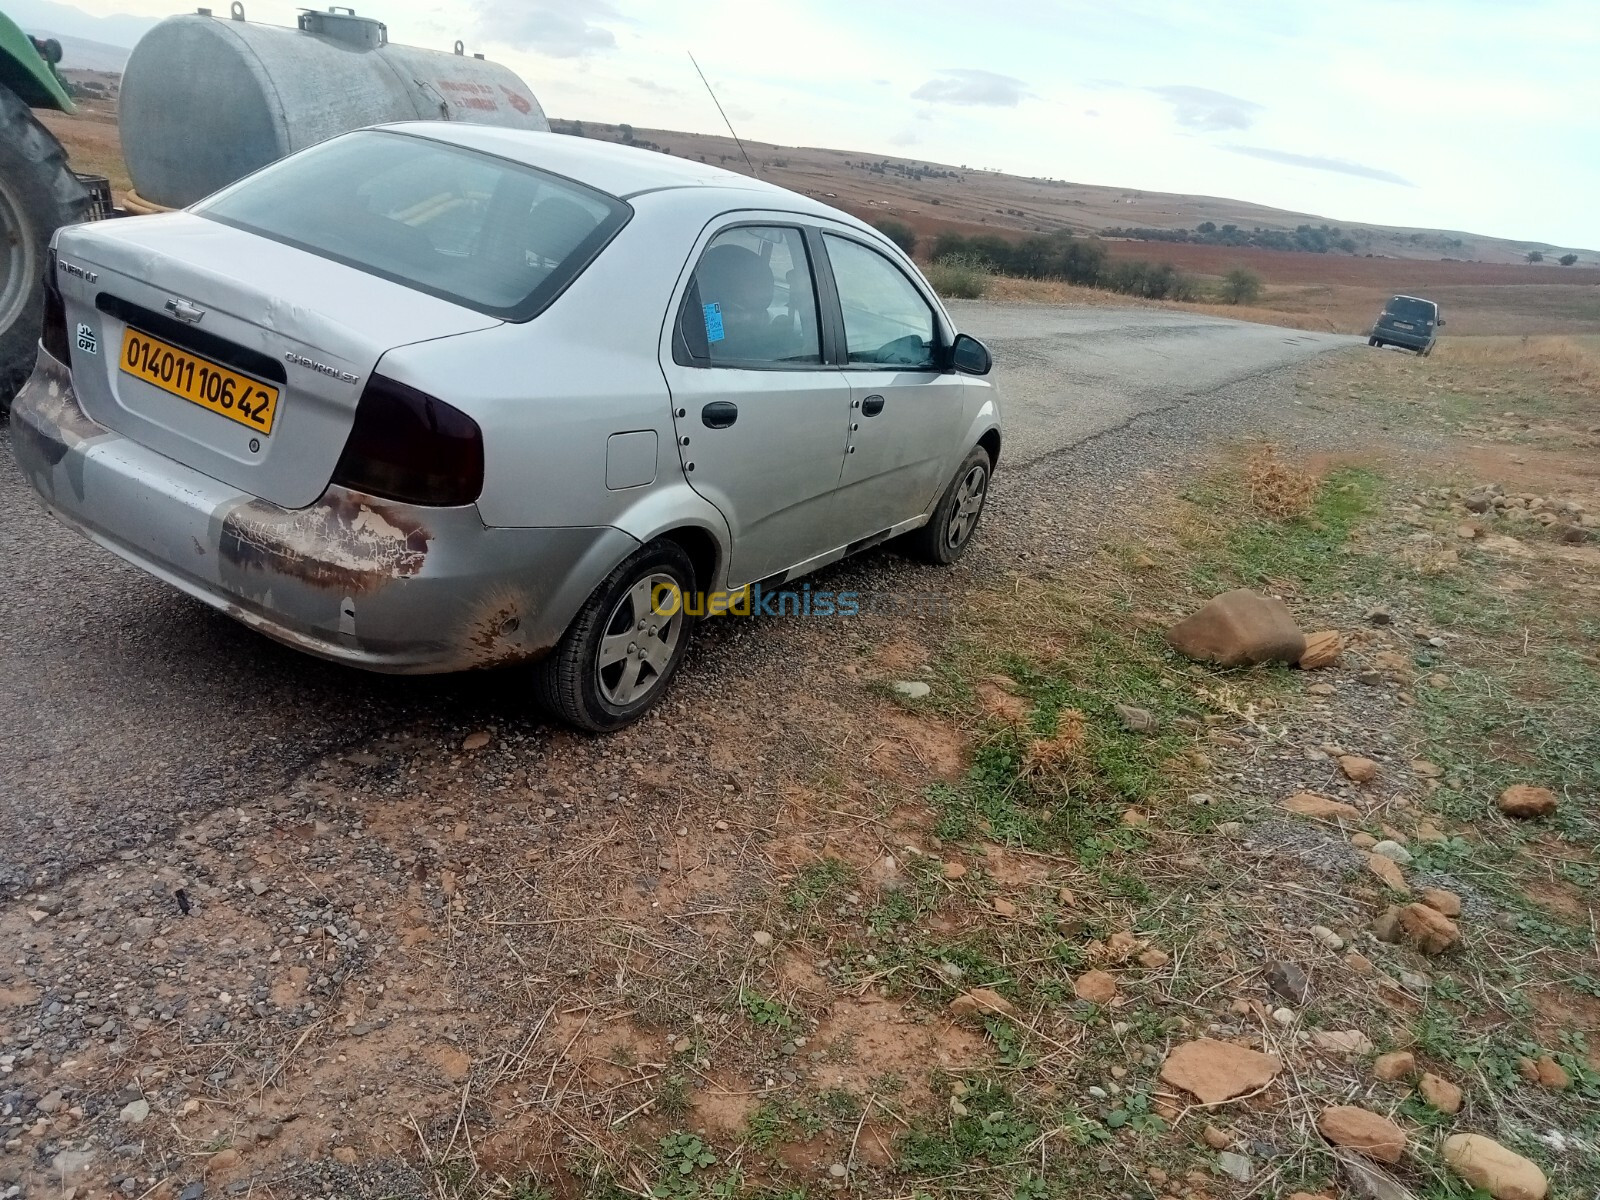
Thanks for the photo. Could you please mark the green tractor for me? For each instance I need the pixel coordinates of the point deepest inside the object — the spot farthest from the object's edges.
(38, 194)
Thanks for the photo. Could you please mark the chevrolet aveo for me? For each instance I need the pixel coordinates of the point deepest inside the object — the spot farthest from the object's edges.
(431, 397)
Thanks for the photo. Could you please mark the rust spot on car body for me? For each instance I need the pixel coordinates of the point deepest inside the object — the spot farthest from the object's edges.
(497, 630)
(346, 541)
(47, 415)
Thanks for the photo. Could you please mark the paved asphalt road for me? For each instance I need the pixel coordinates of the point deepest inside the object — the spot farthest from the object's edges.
(127, 709)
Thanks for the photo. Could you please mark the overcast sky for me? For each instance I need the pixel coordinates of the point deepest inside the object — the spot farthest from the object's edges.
(1478, 115)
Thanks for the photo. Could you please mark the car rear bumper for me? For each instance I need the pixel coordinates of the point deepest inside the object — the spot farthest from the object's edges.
(1412, 339)
(352, 578)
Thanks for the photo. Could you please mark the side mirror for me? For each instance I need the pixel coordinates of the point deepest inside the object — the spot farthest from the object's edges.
(1441, 320)
(970, 356)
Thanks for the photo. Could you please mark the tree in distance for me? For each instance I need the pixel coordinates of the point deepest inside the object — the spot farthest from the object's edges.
(1241, 286)
(899, 233)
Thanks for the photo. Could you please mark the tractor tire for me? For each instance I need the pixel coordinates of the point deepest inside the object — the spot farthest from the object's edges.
(38, 194)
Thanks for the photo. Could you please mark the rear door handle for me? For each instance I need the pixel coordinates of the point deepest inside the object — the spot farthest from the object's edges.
(872, 406)
(719, 414)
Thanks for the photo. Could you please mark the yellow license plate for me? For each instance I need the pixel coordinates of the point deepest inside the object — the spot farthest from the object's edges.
(200, 381)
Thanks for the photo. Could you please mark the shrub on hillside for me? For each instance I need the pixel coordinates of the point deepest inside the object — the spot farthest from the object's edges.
(1241, 286)
(1150, 281)
(959, 277)
(1043, 256)
(899, 233)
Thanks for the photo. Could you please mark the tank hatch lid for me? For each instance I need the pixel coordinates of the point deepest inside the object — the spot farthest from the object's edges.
(342, 25)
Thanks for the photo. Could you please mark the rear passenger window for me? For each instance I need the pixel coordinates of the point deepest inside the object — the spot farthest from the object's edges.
(751, 302)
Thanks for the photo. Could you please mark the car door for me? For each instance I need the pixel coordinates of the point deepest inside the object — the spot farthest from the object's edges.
(761, 414)
(906, 416)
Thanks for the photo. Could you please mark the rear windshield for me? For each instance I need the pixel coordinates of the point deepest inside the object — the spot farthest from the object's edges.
(493, 235)
(1407, 309)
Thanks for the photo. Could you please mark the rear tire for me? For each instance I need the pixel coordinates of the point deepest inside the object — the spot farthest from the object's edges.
(619, 655)
(38, 194)
(954, 522)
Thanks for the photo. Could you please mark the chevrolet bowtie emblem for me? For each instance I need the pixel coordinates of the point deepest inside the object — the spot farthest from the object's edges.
(188, 313)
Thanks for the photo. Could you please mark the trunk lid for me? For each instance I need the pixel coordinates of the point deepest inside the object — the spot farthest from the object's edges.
(272, 316)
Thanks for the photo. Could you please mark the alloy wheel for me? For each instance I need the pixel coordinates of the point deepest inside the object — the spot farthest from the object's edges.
(969, 504)
(640, 637)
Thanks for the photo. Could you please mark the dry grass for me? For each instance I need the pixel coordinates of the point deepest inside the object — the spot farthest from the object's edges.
(1278, 489)
(1569, 361)
(1054, 754)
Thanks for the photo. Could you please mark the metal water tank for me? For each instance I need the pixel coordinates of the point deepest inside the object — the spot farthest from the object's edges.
(207, 100)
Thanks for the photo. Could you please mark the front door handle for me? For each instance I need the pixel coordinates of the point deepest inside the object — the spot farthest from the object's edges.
(872, 406)
(719, 414)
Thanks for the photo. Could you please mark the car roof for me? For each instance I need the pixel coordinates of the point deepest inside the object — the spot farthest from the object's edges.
(620, 171)
(1418, 299)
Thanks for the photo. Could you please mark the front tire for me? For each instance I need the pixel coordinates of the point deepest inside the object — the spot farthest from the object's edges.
(621, 651)
(1372, 341)
(954, 522)
(38, 194)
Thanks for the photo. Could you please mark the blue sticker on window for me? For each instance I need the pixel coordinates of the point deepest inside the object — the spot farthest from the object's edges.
(713, 322)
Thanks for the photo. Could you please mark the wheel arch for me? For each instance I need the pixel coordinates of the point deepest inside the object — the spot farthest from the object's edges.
(680, 514)
(989, 439)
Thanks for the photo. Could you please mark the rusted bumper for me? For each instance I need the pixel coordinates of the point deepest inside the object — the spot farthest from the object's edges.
(352, 578)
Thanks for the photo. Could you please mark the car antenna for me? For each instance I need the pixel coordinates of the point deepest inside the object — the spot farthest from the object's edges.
(725, 120)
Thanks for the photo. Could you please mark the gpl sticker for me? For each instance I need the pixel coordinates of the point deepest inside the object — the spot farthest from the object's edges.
(88, 342)
(714, 331)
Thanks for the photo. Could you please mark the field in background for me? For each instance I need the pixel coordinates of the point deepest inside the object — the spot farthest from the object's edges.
(1334, 292)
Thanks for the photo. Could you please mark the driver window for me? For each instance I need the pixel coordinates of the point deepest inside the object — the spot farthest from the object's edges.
(751, 302)
(886, 320)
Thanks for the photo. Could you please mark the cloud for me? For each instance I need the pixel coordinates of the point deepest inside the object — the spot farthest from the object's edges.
(561, 30)
(1317, 162)
(960, 85)
(651, 86)
(1203, 109)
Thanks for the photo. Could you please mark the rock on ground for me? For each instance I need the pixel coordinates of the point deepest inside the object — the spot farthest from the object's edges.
(1239, 628)
(1097, 987)
(1363, 1131)
(1526, 801)
(1357, 768)
(1322, 650)
(1441, 1093)
(1387, 870)
(1214, 1071)
(1485, 1163)
(1396, 1065)
(1442, 901)
(1310, 804)
(1288, 980)
(982, 1001)
(1429, 930)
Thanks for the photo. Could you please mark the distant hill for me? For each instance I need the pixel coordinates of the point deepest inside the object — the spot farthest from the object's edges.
(63, 22)
(933, 196)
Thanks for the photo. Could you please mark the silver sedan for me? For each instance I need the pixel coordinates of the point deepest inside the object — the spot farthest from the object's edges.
(432, 397)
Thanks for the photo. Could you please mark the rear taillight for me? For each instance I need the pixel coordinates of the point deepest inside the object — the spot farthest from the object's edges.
(406, 445)
(54, 333)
